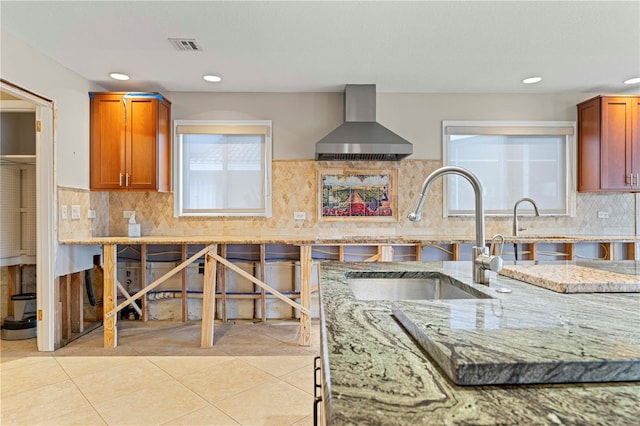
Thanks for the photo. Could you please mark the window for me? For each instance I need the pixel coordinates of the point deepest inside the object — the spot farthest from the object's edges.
(222, 168)
(512, 160)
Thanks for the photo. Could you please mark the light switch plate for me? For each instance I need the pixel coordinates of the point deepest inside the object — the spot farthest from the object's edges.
(603, 214)
(91, 214)
(63, 212)
(299, 215)
(128, 213)
(75, 212)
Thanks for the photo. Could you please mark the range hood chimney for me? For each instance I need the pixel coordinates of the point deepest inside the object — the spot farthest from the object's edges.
(360, 137)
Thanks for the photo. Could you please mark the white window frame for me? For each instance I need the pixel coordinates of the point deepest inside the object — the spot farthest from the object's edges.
(178, 209)
(567, 128)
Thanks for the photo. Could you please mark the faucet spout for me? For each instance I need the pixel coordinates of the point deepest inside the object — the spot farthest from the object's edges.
(477, 189)
(482, 259)
(515, 213)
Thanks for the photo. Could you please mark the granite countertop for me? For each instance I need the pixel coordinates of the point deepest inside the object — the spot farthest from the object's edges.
(302, 239)
(375, 372)
(573, 278)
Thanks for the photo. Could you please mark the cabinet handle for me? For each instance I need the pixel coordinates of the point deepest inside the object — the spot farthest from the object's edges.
(120, 180)
(126, 179)
(317, 399)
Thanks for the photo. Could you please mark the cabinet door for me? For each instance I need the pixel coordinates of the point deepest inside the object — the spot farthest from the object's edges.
(107, 142)
(616, 143)
(589, 145)
(164, 146)
(142, 143)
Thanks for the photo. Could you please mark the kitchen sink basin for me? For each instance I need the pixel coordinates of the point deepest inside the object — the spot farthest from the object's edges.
(410, 286)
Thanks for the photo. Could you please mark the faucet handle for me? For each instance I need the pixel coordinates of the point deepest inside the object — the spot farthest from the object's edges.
(490, 262)
(500, 247)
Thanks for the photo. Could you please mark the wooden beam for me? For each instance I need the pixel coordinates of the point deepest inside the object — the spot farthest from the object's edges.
(570, 249)
(419, 252)
(263, 273)
(455, 249)
(386, 253)
(14, 285)
(222, 285)
(305, 295)
(97, 280)
(632, 253)
(65, 300)
(532, 251)
(111, 312)
(341, 253)
(183, 303)
(143, 282)
(259, 283)
(208, 299)
(374, 258)
(126, 295)
(109, 258)
(77, 302)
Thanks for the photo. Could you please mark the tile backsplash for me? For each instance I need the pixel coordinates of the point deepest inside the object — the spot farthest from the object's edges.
(84, 227)
(295, 189)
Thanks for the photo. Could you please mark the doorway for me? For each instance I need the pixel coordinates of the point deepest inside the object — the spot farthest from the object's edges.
(45, 211)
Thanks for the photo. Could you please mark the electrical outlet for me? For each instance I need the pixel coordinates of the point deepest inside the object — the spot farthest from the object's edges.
(63, 212)
(75, 212)
(603, 215)
(299, 215)
(128, 213)
(91, 214)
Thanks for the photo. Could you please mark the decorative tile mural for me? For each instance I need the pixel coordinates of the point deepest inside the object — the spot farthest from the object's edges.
(357, 195)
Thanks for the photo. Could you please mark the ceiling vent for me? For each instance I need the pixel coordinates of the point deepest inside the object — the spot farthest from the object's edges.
(185, 44)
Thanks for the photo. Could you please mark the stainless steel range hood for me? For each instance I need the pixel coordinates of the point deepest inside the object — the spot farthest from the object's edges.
(360, 137)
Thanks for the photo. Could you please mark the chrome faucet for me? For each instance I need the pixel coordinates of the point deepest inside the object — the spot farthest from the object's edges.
(515, 214)
(483, 261)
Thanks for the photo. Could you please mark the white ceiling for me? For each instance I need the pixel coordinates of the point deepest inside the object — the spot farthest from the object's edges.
(419, 46)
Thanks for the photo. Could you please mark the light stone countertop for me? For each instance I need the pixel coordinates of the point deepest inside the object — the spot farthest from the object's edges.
(375, 373)
(573, 278)
(303, 239)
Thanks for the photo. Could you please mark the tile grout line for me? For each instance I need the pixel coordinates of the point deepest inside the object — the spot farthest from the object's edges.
(80, 390)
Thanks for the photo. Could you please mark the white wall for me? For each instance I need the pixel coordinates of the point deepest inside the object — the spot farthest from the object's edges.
(25, 67)
(301, 119)
(418, 117)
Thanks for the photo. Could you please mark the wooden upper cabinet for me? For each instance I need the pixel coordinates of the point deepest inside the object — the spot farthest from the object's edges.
(130, 142)
(609, 144)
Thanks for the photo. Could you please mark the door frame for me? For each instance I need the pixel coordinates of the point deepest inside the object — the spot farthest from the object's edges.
(46, 213)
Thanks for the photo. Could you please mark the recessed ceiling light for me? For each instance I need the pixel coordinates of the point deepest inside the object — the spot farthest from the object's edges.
(531, 80)
(212, 78)
(118, 76)
(632, 81)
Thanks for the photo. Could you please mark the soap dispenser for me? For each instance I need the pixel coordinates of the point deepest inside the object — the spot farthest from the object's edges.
(134, 228)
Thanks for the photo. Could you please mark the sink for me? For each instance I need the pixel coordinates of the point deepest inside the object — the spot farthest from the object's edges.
(409, 286)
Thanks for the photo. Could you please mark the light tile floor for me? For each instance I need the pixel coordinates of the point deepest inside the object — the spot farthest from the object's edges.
(256, 374)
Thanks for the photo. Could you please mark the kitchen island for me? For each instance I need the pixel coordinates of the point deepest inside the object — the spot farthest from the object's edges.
(382, 248)
(375, 372)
